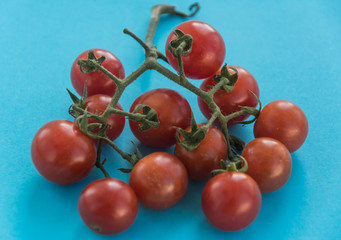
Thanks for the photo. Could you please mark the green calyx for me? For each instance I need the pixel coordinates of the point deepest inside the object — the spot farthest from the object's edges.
(180, 46)
(238, 165)
(87, 66)
(225, 74)
(149, 118)
(192, 138)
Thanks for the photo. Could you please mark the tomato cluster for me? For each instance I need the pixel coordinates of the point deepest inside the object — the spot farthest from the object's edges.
(64, 153)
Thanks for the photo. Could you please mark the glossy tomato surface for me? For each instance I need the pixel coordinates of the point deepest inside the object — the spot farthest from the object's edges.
(269, 163)
(172, 109)
(159, 180)
(97, 82)
(62, 153)
(231, 201)
(206, 157)
(284, 121)
(108, 206)
(208, 50)
(97, 104)
(228, 102)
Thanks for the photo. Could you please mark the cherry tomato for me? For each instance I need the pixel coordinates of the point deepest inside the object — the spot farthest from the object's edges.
(159, 180)
(62, 153)
(231, 201)
(97, 82)
(172, 109)
(108, 206)
(228, 102)
(206, 157)
(284, 121)
(269, 163)
(97, 104)
(208, 50)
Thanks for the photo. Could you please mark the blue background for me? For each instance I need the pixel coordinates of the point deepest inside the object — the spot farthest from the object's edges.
(291, 47)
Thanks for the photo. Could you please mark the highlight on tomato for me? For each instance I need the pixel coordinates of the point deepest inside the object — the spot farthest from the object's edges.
(285, 121)
(159, 180)
(172, 109)
(62, 153)
(206, 157)
(231, 201)
(208, 50)
(97, 82)
(228, 102)
(108, 206)
(269, 163)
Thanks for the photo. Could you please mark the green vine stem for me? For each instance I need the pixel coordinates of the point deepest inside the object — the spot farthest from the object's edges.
(161, 9)
(150, 63)
(100, 164)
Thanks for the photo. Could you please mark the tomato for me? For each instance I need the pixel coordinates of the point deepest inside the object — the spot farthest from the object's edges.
(172, 109)
(231, 201)
(108, 206)
(62, 153)
(228, 102)
(97, 104)
(97, 82)
(208, 50)
(269, 163)
(284, 121)
(206, 157)
(159, 180)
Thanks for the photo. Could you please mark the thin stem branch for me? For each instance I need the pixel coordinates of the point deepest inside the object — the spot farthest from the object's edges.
(175, 78)
(132, 116)
(227, 138)
(142, 43)
(98, 159)
(106, 72)
(218, 86)
(120, 89)
(123, 154)
(161, 9)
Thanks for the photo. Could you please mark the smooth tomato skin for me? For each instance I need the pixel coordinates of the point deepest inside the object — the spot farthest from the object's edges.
(284, 121)
(62, 153)
(269, 163)
(208, 50)
(229, 102)
(206, 157)
(97, 82)
(231, 201)
(159, 180)
(172, 109)
(108, 206)
(97, 104)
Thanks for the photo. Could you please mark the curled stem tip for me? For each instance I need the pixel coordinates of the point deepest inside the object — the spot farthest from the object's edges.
(194, 8)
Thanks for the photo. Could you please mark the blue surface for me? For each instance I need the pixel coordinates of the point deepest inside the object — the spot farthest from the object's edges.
(291, 47)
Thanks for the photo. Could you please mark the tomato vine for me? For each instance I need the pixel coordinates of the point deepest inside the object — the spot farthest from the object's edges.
(179, 47)
(227, 96)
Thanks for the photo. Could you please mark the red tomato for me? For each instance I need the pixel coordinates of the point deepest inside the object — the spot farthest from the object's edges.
(228, 102)
(206, 157)
(231, 201)
(159, 180)
(172, 109)
(62, 153)
(208, 50)
(108, 206)
(284, 121)
(97, 82)
(97, 104)
(269, 163)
